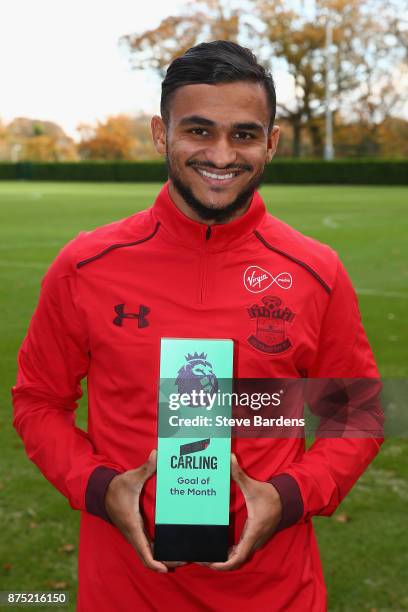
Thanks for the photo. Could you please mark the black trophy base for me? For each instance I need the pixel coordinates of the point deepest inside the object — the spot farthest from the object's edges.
(191, 543)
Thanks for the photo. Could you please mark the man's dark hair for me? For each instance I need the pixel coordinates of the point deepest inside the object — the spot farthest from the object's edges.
(215, 62)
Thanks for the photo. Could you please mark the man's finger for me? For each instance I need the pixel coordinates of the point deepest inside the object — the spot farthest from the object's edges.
(238, 475)
(174, 564)
(144, 471)
(169, 564)
(142, 545)
(149, 468)
(236, 559)
(239, 553)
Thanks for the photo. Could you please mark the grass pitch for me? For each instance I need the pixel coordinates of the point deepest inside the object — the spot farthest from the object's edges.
(364, 545)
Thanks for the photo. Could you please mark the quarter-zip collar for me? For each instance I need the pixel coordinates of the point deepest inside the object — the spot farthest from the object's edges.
(198, 235)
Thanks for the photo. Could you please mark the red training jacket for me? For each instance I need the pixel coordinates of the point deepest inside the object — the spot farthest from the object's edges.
(179, 278)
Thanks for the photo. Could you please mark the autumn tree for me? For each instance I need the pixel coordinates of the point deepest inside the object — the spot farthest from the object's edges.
(393, 137)
(202, 21)
(363, 57)
(119, 137)
(295, 41)
(3, 141)
(381, 71)
(36, 140)
(395, 14)
(357, 139)
(109, 140)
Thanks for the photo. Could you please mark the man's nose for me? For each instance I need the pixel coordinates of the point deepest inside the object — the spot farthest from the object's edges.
(221, 153)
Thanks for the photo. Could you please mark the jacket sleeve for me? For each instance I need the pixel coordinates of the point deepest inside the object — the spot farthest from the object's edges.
(52, 361)
(317, 483)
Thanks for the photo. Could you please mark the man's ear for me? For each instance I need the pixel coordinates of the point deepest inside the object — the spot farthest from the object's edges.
(159, 134)
(273, 139)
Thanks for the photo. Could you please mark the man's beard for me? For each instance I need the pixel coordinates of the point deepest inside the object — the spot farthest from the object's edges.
(207, 211)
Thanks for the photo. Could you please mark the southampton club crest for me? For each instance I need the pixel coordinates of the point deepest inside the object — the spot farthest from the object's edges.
(196, 375)
(271, 319)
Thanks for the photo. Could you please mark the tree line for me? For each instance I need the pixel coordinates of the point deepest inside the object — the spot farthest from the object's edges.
(123, 137)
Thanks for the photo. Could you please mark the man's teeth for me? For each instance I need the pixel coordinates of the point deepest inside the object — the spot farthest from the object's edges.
(220, 177)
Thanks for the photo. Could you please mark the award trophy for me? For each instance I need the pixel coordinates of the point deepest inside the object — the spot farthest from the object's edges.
(194, 450)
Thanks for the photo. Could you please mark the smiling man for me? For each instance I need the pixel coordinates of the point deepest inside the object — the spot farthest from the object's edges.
(205, 261)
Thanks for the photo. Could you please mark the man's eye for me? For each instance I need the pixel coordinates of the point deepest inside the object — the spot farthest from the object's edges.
(199, 131)
(243, 135)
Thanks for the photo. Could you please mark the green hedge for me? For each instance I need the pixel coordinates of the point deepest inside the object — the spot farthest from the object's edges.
(85, 171)
(339, 172)
(8, 172)
(289, 171)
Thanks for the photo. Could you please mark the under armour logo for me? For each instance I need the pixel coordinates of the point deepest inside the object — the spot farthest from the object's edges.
(140, 316)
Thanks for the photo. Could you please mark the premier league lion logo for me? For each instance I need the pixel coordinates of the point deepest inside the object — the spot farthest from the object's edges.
(196, 375)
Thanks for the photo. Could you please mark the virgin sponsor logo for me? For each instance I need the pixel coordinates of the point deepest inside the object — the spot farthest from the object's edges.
(256, 279)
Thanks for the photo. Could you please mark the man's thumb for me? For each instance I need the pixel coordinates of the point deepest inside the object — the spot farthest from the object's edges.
(148, 469)
(237, 473)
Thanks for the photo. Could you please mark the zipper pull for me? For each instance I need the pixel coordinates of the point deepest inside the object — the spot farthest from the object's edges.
(208, 233)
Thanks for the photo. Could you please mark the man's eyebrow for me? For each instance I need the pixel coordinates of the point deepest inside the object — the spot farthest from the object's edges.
(197, 120)
(257, 127)
(203, 121)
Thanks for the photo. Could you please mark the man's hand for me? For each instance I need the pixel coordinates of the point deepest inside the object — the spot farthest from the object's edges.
(264, 510)
(122, 506)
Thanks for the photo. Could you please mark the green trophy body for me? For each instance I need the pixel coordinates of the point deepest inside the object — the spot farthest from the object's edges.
(194, 450)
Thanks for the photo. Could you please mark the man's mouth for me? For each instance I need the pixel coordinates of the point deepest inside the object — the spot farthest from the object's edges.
(217, 176)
